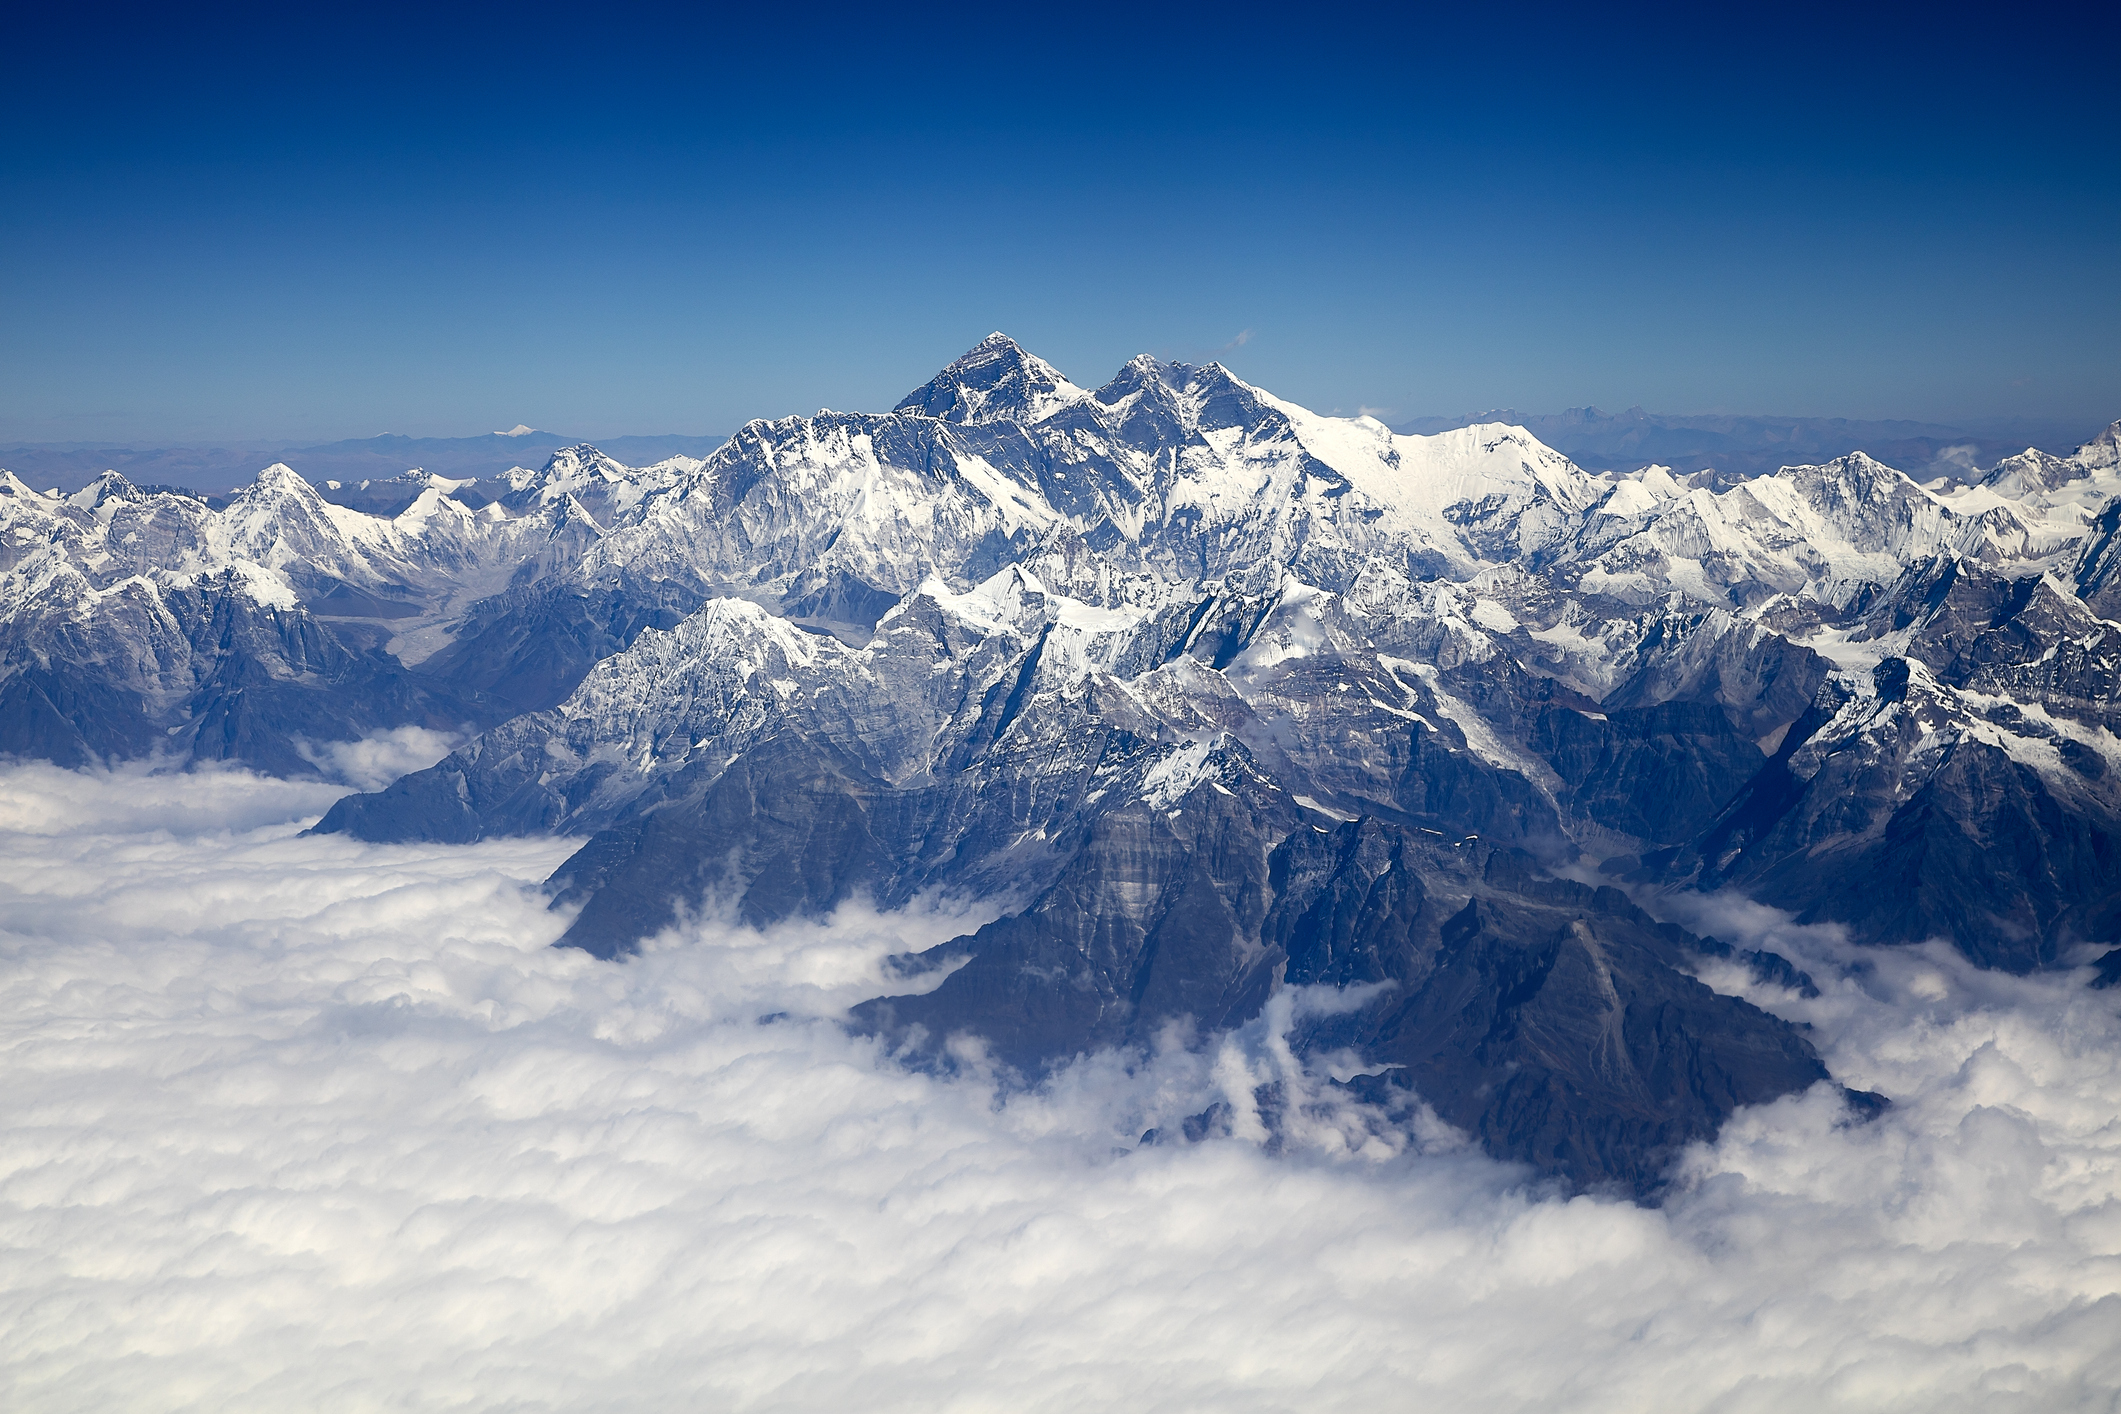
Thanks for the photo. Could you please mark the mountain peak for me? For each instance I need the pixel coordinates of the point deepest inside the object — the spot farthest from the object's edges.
(2103, 452)
(110, 486)
(996, 380)
(281, 482)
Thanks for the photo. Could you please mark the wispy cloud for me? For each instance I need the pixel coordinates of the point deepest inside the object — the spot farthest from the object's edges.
(303, 1123)
(376, 760)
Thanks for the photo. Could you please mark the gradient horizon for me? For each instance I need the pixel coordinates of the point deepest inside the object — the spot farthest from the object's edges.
(261, 226)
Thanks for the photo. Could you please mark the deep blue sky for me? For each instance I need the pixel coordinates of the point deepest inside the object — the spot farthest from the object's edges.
(607, 220)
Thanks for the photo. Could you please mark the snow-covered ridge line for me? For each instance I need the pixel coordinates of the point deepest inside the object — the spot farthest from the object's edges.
(1169, 487)
(1174, 472)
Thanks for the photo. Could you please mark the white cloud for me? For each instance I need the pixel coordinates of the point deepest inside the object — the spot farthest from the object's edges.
(303, 1123)
(375, 761)
(1956, 462)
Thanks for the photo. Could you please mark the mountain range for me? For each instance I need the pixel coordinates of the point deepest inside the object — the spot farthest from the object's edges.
(1202, 695)
(211, 470)
(1739, 445)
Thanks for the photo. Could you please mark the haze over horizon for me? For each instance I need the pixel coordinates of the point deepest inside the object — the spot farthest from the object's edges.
(260, 227)
(1733, 444)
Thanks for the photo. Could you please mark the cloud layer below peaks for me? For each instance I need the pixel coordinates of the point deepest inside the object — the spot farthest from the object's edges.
(302, 1123)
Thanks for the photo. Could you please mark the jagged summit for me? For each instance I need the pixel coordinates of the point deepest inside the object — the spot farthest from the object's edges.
(280, 479)
(2103, 452)
(277, 491)
(600, 487)
(108, 487)
(997, 380)
(568, 470)
(1205, 395)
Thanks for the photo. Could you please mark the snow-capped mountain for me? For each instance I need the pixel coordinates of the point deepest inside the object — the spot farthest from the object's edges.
(997, 381)
(140, 624)
(1208, 693)
(599, 485)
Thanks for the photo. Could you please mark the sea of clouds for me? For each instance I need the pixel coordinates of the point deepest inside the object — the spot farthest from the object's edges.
(295, 1123)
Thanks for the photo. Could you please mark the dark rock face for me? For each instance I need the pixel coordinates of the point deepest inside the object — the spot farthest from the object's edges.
(237, 681)
(1555, 1022)
(1658, 773)
(1762, 681)
(1982, 853)
(2107, 970)
(2098, 568)
(790, 831)
(530, 647)
(1965, 796)
(1155, 919)
(69, 720)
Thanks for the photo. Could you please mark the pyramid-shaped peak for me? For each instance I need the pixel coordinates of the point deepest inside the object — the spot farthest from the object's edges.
(1855, 480)
(1140, 372)
(580, 470)
(997, 347)
(1858, 463)
(1212, 374)
(580, 454)
(281, 482)
(110, 486)
(996, 380)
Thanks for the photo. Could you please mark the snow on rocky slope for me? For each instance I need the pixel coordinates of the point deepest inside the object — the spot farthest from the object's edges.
(1125, 658)
(150, 624)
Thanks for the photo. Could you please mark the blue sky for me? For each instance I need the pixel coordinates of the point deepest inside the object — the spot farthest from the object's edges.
(635, 220)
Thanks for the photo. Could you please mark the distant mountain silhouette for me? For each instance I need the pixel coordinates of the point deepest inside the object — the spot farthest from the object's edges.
(1742, 444)
(72, 465)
